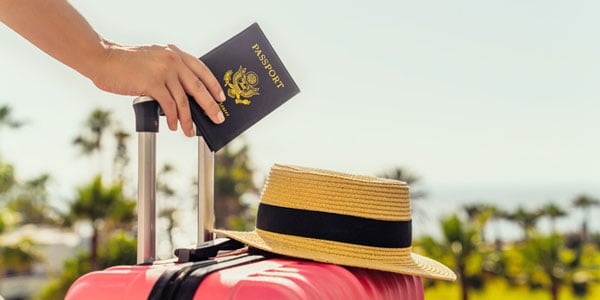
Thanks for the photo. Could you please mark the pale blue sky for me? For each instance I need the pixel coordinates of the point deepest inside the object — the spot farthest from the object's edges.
(462, 92)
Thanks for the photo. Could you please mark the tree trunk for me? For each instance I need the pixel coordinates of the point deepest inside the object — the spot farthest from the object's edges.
(170, 232)
(94, 249)
(525, 233)
(464, 288)
(584, 231)
(554, 288)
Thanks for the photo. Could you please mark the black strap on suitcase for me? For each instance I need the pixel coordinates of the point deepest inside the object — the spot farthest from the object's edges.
(181, 281)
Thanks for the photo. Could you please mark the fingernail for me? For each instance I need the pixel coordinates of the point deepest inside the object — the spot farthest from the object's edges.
(222, 96)
(220, 117)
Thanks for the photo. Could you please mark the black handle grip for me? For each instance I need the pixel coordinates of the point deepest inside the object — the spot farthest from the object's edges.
(147, 112)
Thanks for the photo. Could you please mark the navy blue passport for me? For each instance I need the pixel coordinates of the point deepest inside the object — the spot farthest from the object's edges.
(254, 80)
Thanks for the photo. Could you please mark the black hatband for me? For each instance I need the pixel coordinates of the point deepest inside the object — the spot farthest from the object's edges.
(334, 227)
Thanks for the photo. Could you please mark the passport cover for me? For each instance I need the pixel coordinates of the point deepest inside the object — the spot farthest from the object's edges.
(255, 83)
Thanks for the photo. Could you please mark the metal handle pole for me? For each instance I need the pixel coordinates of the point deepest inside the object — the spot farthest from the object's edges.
(206, 211)
(146, 125)
(146, 197)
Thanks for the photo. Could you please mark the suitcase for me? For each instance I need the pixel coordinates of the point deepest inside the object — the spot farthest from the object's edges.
(222, 268)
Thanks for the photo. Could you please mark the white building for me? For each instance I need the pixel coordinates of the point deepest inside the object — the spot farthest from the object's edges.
(54, 243)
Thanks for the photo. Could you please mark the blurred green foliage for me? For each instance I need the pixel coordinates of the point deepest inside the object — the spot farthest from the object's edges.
(553, 263)
(558, 265)
(119, 249)
(234, 178)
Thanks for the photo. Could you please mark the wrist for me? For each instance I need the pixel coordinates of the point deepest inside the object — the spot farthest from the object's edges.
(97, 66)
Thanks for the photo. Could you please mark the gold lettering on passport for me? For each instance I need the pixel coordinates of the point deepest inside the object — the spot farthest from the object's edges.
(224, 109)
(265, 62)
(241, 85)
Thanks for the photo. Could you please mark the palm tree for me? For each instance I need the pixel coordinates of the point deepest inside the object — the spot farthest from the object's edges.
(553, 212)
(89, 141)
(104, 206)
(498, 214)
(6, 119)
(162, 186)
(96, 124)
(544, 255)
(99, 205)
(168, 212)
(21, 256)
(585, 202)
(234, 177)
(479, 214)
(31, 203)
(413, 180)
(461, 240)
(7, 177)
(121, 158)
(527, 220)
(474, 211)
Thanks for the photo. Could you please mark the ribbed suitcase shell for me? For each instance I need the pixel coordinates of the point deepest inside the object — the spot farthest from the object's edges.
(275, 278)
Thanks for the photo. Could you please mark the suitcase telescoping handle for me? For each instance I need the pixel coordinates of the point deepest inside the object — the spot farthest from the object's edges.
(147, 113)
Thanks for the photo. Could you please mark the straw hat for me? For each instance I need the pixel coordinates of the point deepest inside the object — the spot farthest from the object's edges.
(338, 218)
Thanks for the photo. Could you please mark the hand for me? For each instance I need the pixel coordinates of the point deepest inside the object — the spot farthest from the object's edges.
(165, 73)
(162, 72)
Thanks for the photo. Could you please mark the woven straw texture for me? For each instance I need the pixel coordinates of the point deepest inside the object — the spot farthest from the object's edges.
(346, 194)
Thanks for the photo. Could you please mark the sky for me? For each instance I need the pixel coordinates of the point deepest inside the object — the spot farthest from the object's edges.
(463, 93)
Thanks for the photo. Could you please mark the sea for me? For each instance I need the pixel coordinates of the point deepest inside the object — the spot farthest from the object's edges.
(444, 200)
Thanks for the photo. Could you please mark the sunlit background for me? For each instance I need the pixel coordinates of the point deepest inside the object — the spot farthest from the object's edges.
(486, 101)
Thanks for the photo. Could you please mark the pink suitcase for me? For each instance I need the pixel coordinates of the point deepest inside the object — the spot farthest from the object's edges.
(232, 274)
(274, 278)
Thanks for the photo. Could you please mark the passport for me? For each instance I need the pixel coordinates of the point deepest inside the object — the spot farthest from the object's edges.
(255, 83)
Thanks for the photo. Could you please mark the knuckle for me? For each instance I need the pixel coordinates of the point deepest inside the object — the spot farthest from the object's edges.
(185, 119)
(171, 117)
(214, 86)
(213, 107)
(169, 56)
(199, 85)
(182, 103)
(169, 110)
(173, 47)
(198, 90)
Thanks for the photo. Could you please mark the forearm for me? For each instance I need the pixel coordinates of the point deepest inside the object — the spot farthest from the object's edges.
(163, 72)
(58, 29)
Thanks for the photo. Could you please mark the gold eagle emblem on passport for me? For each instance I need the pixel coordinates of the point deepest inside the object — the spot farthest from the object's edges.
(241, 85)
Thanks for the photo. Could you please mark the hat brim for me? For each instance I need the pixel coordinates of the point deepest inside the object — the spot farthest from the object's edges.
(397, 260)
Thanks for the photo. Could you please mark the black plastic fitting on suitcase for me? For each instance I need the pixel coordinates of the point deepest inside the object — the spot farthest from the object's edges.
(206, 250)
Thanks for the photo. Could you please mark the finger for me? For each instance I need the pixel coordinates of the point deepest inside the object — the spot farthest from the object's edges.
(203, 72)
(183, 108)
(197, 89)
(167, 104)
